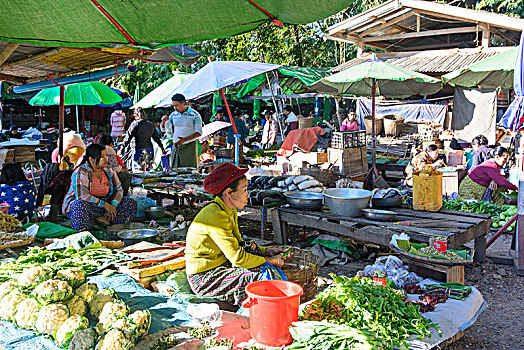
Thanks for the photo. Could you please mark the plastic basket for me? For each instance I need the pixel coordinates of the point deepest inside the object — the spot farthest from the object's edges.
(348, 139)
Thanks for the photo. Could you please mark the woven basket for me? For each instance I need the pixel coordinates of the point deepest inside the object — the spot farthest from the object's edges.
(302, 268)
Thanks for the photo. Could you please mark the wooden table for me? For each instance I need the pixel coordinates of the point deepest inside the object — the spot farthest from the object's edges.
(469, 226)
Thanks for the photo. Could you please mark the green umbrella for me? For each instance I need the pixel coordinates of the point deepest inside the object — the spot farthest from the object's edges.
(374, 77)
(490, 73)
(164, 90)
(82, 94)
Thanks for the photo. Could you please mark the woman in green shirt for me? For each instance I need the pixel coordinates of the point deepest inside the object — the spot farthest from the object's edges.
(219, 264)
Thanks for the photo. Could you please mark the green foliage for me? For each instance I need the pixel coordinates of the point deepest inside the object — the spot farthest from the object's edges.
(300, 45)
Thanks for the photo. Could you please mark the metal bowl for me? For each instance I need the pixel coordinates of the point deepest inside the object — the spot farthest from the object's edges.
(131, 237)
(305, 200)
(393, 202)
(154, 213)
(347, 201)
(379, 215)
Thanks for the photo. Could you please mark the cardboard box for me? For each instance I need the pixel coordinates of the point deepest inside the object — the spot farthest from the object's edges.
(293, 163)
(348, 161)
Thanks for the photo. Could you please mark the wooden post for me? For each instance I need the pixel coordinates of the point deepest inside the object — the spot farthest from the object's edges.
(418, 22)
(61, 121)
(7, 51)
(339, 119)
(360, 49)
(486, 33)
(373, 140)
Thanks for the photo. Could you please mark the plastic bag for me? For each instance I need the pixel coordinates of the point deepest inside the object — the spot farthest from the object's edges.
(201, 313)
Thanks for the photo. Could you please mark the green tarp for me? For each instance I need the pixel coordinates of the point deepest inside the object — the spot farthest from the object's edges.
(151, 23)
(292, 79)
(490, 73)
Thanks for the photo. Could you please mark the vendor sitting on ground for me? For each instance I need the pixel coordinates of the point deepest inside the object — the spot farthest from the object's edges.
(419, 162)
(96, 193)
(17, 191)
(219, 264)
(481, 151)
(484, 182)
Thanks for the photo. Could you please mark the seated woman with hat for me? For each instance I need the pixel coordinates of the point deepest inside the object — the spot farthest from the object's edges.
(219, 264)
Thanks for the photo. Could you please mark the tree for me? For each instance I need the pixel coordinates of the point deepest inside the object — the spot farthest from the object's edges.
(300, 45)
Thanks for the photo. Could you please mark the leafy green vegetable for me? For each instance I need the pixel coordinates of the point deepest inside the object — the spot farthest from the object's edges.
(327, 335)
(356, 303)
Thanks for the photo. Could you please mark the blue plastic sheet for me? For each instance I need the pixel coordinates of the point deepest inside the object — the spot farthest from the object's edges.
(165, 312)
(412, 112)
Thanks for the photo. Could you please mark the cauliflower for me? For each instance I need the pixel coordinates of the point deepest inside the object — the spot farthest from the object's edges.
(52, 290)
(6, 287)
(111, 312)
(27, 312)
(142, 319)
(51, 317)
(126, 326)
(114, 340)
(9, 303)
(32, 276)
(96, 304)
(84, 339)
(77, 306)
(68, 329)
(75, 277)
(86, 291)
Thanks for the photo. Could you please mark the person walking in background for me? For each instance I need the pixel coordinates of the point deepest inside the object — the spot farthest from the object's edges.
(187, 127)
(291, 119)
(118, 123)
(142, 131)
(269, 133)
(350, 123)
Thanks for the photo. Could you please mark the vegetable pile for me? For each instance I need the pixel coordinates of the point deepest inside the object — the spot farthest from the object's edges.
(56, 304)
(500, 214)
(88, 260)
(377, 316)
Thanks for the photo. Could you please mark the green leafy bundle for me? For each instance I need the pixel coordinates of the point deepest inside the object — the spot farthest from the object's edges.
(358, 304)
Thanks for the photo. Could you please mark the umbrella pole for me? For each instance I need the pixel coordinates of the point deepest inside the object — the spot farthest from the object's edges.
(61, 122)
(373, 140)
(77, 121)
(237, 136)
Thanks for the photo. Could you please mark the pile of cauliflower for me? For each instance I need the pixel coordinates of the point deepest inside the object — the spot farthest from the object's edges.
(58, 304)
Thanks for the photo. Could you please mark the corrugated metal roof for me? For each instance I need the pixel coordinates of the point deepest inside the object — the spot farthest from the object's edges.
(436, 61)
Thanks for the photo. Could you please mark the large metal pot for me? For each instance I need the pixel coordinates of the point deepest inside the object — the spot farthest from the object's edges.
(131, 237)
(154, 213)
(305, 200)
(347, 201)
(391, 202)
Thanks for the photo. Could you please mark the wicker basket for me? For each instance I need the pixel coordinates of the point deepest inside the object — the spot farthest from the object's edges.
(393, 124)
(379, 124)
(302, 268)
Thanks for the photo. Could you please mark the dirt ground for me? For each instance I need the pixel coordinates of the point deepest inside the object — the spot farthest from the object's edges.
(499, 327)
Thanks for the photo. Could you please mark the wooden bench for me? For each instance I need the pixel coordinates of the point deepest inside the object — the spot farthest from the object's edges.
(459, 227)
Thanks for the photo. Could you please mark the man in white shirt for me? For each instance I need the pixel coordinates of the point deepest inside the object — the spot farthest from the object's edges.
(291, 119)
(187, 127)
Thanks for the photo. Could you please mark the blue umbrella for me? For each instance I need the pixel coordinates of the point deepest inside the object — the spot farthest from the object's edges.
(513, 119)
(218, 75)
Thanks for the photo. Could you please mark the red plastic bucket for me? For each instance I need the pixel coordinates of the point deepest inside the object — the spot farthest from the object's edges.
(273, 306)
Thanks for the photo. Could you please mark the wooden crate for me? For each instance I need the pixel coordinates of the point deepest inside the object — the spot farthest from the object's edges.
(441, 273)
(348, 161)
(24, 154)
(142, 274)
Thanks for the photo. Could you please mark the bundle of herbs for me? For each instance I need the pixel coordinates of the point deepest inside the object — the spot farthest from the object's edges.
(376, 313)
